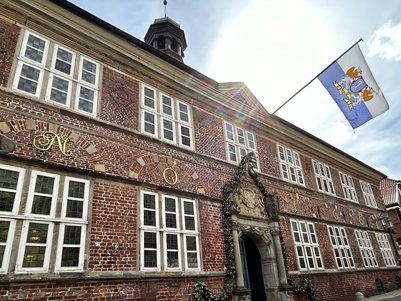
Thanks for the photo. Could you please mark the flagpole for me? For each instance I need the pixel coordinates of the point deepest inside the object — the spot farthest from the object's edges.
(315, 77)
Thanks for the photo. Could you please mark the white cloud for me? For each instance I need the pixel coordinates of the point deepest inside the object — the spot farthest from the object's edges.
(386, 42)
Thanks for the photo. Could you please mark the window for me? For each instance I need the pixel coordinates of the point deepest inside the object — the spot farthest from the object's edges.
(348, 188)
(40, 221)
(323, 177)
(239, 143)
(166, 118)
(341, 248)
(65, 86)
(368, 194)
(368, 256)
(169, 233)
(306, 245)
(385, 248)
(290, 165)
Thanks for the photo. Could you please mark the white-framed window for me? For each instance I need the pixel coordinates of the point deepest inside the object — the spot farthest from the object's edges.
(169, 237)
(385, 248)
(348, 187)
(306, 245)
(7, 232)
(61, 78)
(11, 181)
(324, 180)
(290, 165)
(239, 143)
(166, 118)
(368, 256)
(368, 194)
(48, 213)
(341, 248)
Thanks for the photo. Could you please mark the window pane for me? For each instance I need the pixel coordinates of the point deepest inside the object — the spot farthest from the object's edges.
(191, 243)
(59, 90)
(189, 208)
(72, 235)
(88, 71)
(150, 240)
(76, 189)
(189, 223)
(149, 201)
(70, 257)
(8, 179)
(63, 61)
(7, 201)
(29, 78)
(149, 123)
(86, 98)
(192, 260)
(37, 233)
(150, 260)
(167, 106)
(34, 257)
(35, 48)
(184, 115)
(4, 227)
(149, 218)
(149, 98)
(44, 184)
(41, 205)
(171, 221)
(74, 208)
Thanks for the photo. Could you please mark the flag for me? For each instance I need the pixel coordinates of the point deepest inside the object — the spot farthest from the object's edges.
(353, 87)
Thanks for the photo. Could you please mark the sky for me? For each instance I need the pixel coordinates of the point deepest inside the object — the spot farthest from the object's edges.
(277, 47)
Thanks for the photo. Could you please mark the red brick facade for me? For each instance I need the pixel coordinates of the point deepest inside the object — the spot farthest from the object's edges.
(120, 162)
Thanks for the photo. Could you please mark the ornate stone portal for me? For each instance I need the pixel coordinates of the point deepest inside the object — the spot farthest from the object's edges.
(254, 214)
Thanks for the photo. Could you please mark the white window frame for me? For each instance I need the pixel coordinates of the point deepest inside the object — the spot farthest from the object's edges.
(7, 245)
(324, 180)
(348, 187)
(17, 191)
(161, 230)
(341, 248)
(32, 193)
(366, 249)
(385, 248)
(48, 68)
(240, 149)
(71, 221)
(19, 269)
(290, 160)
(160, 116)
(310, 243)
(368, 194)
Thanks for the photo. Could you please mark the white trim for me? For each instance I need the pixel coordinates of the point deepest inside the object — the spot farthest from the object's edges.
(181, 135)
(17, 191)
(386, 250)
(61, 245)
(366, 249)
(157, 249)
(173, 130)
(177, 213)
(348, 187)
(186, 252)
(18, 76)
(368, 195)
(290, 164)
(23, 244)
(341, 244)
(50, 86)
(85, 199)
(32, 193)
(25, 44)
(94, 101)
(189, 215)
(323, 173)
(54, 59)
(156, 210)
(143, 123)
(189, 122)
(154, 109)
(81, 69)
(179, 268)
(172, 116)
(8, 245)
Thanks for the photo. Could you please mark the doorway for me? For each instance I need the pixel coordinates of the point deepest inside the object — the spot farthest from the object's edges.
(253, 275)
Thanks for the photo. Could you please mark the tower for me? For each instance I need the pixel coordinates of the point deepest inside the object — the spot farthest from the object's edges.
(166, 35)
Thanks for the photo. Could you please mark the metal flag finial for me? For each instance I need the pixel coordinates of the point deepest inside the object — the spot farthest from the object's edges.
(165, 8)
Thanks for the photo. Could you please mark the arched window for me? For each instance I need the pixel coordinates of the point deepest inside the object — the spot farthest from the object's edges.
(174, 44)
(398, 281)
(161, 42)
(379, 285)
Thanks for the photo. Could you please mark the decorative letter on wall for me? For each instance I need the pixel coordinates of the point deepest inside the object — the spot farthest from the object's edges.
(46, 140)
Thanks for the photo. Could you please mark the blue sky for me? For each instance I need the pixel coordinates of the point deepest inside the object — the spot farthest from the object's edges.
(276, 47)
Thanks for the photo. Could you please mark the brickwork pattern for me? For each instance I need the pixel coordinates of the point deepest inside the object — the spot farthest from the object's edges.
(120, 102)
(8, 42)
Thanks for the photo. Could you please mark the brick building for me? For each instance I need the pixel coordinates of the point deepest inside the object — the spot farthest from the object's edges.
(127, 175)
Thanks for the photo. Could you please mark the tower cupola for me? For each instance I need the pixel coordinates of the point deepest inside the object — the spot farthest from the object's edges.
(166, 35)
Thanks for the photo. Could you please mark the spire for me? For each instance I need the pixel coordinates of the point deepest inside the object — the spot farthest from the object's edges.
(166, 35)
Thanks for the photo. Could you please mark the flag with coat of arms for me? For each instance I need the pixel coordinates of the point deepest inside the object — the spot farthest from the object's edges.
(353, 87)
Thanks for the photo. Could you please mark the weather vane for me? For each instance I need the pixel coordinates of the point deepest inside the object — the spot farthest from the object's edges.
(165, 8)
